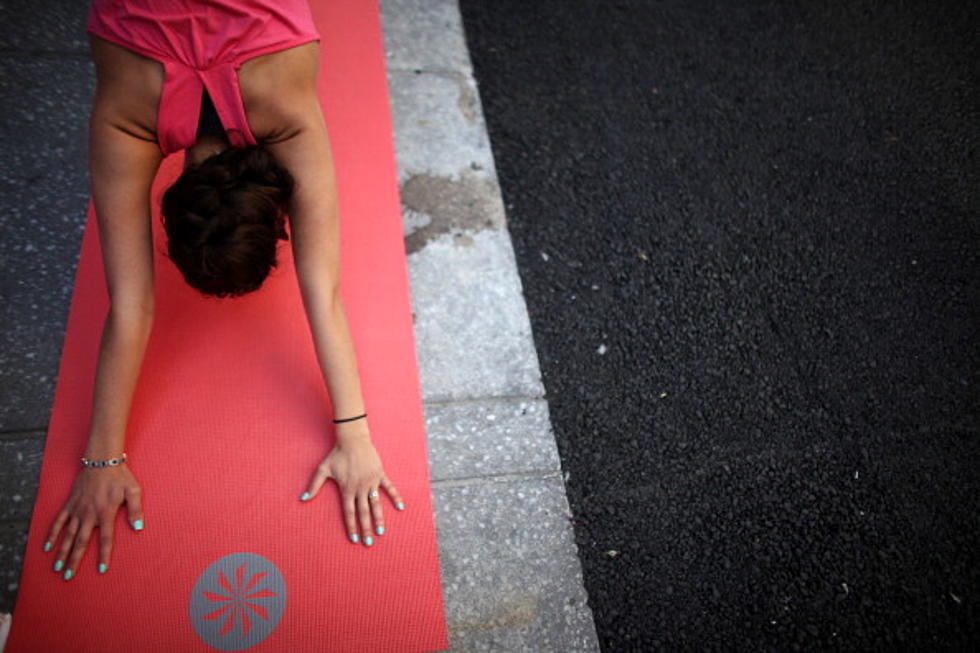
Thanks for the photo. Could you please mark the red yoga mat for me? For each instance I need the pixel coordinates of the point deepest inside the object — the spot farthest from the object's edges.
(229, 419)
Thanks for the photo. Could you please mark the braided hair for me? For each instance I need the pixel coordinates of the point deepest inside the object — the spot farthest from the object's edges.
(224, 217)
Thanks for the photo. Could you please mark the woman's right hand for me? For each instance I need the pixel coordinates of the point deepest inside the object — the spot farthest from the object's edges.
(95, 498)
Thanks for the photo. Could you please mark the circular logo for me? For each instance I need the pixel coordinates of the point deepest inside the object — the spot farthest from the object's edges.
(237, 601)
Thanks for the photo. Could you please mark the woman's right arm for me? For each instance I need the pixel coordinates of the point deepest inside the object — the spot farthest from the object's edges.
(122, 167)
(121, 171)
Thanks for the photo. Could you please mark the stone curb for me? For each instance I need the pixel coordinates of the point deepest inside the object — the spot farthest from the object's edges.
(510, 569)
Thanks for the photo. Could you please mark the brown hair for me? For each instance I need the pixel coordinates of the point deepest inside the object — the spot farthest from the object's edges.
(224, 218)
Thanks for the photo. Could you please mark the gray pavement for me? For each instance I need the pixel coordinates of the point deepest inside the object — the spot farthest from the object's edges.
(510, 570)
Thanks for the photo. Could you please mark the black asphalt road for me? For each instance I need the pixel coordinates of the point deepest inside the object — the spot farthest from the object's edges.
(748, 236)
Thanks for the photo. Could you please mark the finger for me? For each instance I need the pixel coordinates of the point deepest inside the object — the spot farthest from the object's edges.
(134, 507)
(379, 524)
(56, 526)
(320, 477)
(81, 543)
(364, 513)
(66, 542)
(106, 528)
(350, 516)
(392, 492)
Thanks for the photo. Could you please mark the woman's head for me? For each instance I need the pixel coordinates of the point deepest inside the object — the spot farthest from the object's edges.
(224, 218)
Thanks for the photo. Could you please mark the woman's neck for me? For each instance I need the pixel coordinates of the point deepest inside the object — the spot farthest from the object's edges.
(206, 146)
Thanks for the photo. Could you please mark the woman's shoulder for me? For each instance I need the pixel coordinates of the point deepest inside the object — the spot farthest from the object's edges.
(279, 90)
(128, 86)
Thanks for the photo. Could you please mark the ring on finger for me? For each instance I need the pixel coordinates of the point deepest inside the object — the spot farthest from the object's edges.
(373, 494)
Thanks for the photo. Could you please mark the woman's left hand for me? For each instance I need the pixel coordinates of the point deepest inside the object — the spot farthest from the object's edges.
(356, 467)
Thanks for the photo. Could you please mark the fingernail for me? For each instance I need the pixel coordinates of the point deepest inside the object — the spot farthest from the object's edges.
(68, 574)
(47, 546)
(58, 564)
(400, 505)
(379, 530)
(353, 538)
(368, 541)
(306, 495)
(138, 525)
(102, 567)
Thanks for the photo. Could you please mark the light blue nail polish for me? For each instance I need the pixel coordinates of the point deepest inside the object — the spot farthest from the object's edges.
(47, 546)
(306, 495)
(400, 505)
(379, 530)
(138, 525)
(353, 538)
(368, 541)
(58, 564)
(102, 567)
(68, 574)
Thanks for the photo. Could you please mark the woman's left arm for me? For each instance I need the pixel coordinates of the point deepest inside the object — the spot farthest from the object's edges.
(315, 235)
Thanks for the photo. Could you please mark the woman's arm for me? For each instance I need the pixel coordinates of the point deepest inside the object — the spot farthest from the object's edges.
(97, 493)
(353, 463)
(121, 170)
(302, 146)
(315, 237)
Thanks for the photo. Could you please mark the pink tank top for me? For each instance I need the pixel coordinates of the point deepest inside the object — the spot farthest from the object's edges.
(201, 44)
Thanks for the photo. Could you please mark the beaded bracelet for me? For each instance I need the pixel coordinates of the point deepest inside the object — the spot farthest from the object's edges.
(349, 419)
(112, 462)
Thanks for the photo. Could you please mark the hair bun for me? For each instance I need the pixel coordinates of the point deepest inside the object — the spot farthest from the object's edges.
(224, 217)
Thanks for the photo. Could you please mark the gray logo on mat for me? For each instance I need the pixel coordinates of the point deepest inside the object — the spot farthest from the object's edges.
(237, 601)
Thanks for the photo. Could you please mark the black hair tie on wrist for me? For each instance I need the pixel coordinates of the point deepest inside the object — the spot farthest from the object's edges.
(349, 419)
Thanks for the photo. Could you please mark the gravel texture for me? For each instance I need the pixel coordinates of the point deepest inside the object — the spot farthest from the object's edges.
(748, 237)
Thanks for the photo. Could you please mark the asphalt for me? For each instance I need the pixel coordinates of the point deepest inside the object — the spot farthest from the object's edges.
(748, 236)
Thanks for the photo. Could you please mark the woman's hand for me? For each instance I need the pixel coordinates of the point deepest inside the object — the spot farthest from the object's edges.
(95, 497)
(355, 466)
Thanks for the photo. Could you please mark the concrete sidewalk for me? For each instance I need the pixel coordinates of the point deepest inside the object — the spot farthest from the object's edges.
(510, 571)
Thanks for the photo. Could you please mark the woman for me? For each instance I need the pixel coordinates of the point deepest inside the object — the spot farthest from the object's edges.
(232, 83)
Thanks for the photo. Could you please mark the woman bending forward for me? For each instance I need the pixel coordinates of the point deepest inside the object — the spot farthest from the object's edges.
(233, 85)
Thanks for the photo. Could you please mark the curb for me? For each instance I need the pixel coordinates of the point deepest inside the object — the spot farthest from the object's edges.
(511, 575)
